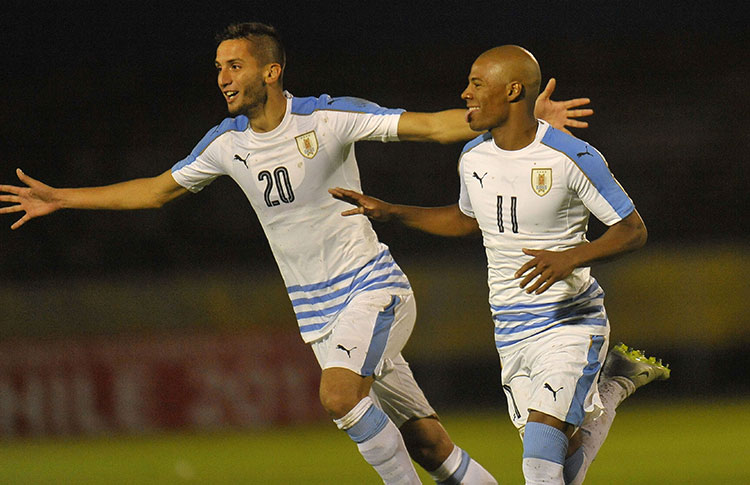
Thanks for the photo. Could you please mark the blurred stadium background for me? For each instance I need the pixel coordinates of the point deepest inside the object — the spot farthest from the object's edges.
(115, 326)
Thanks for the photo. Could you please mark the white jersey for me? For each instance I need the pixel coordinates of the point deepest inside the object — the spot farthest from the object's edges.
(324, 258)
(538, 197)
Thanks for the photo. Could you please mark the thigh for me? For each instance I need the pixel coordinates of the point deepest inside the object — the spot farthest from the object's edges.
(555, 374)
(398, 394)
(564, 375)
(516, 382)
(373, 327)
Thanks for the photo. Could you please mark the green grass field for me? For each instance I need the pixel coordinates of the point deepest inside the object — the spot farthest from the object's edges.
(650, 443)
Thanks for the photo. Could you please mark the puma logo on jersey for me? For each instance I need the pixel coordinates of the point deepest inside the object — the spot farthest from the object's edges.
(348, 351)
(243, 160)
(553, 391)
(586, 152)
(481, 182)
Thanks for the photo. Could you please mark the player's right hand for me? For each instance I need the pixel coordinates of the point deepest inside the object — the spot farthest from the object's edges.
(561, 114)
(35, 200)
(371, 207)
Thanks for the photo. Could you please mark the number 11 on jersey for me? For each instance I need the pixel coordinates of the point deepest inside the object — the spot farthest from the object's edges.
(513, 215)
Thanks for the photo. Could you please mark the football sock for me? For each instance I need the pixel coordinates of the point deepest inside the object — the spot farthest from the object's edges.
(572, 468)
(544, 449)
(460, 468)
(612, 392)
(379, 442)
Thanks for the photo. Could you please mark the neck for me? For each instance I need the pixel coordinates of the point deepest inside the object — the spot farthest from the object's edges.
(516, 132)
(269, 115)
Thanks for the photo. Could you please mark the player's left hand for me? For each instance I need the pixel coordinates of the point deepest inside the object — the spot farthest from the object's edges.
(561, 113)
(371, 207)
(547, 267)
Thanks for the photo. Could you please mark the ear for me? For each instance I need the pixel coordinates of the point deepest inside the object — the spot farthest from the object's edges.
(515, 90)
(272, 73)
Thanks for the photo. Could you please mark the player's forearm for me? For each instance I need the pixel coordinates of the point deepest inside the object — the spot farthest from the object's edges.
(142, 193)
(627, 235)
(441, 221)
(453, 127)
(447, 126)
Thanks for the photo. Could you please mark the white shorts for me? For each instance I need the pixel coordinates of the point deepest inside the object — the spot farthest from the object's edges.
(555, 373)
(367, 337)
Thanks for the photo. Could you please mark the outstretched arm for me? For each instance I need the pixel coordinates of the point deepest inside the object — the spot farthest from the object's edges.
(441, 221)
(548, 267)
(450, 126)
(38, 199)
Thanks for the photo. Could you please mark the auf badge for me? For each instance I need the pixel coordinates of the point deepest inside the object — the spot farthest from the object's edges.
(541, 180)
(307, 144)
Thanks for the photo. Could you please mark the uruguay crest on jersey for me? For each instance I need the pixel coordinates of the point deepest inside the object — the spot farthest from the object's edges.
(541, 180)
(307, 144)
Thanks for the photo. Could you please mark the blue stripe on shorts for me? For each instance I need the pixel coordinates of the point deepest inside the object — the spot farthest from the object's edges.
(380, 334)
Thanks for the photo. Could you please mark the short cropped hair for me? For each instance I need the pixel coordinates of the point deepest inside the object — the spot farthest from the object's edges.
(265, 39)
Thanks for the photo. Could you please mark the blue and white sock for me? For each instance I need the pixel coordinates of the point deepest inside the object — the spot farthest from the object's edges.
(460, 468)
(544, 449)
(379, 442)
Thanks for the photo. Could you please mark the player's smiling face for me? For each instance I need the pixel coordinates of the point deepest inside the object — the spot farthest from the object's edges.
(486, 103)
(240, 77)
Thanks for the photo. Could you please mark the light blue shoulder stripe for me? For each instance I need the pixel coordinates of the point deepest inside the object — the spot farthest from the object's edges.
(592, 164)
(476, 141)
(229, 124)
(307, 106)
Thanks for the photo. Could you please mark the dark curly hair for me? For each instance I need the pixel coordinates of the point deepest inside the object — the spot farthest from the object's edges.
(265, 39)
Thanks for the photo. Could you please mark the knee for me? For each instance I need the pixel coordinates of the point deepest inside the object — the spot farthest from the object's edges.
(338, 401)
(427, 442)
(341, 389)
(430, 455)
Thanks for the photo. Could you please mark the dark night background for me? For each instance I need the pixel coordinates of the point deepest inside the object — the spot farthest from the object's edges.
(99, 92)
(95, 93)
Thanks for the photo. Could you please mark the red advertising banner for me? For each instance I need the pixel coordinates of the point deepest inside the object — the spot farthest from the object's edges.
(137, 384)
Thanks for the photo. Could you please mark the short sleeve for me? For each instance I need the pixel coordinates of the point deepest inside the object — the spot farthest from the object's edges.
(206, 162)
(589, 177)
(598, 189)
(354, 119)
(464, 203)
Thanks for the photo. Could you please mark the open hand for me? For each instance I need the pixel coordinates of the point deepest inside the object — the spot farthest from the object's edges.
(36, 199)
(561, 113)
(371, 207)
